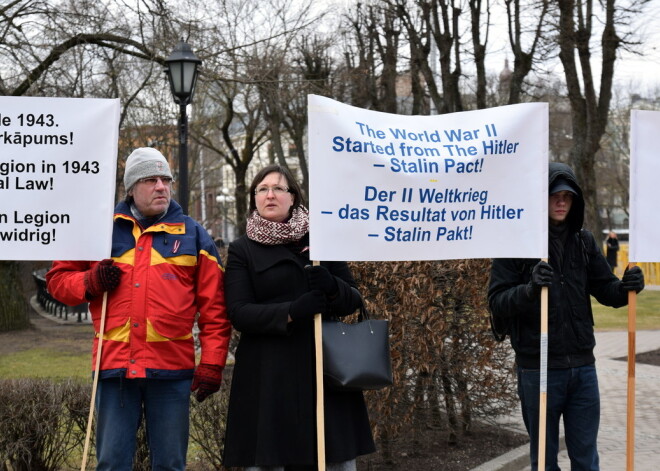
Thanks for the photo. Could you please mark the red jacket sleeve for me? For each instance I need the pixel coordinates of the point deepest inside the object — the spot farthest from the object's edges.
(214, 326)
(65, 281)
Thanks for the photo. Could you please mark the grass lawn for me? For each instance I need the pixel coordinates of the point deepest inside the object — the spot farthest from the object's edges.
(648, 313)
(42, 362)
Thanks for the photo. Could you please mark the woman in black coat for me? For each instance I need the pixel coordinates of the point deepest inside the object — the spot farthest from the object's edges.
(272, 294)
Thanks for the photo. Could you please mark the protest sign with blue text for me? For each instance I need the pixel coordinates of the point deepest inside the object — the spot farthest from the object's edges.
(58, 161)
(393, 187)
(644, 170)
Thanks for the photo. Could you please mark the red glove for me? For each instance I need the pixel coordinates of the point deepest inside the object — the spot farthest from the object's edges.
(103, 277)
(206, 380)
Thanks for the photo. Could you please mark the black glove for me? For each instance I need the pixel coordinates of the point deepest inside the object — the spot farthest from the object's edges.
(541, 276)
(320, 278)
(104, 276)
(313, 302)
(206, 380)
(633, 280)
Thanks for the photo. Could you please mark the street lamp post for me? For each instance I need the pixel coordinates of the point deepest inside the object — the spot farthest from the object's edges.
(225, 199)
(181, 71)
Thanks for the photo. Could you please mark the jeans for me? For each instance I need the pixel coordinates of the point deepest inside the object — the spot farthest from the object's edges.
(120, 406)
(572, 394)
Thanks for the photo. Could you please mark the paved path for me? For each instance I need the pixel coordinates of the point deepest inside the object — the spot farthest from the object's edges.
(613, 380)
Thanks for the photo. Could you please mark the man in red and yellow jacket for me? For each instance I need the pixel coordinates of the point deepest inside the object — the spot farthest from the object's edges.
(164, 274)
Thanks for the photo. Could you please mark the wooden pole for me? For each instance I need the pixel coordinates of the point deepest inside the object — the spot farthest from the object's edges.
(630, 432)
(543, 377)
(95, 383)
(320, 413)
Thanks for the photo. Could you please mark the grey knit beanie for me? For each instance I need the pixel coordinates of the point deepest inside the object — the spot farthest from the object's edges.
(145, 162)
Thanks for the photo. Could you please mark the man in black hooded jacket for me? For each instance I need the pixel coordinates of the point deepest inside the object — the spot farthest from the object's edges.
(576, 270)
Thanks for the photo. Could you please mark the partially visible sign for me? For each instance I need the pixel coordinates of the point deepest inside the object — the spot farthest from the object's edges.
(58, 160)
(644, 238)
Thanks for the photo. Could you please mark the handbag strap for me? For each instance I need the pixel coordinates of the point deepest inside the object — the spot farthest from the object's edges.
(364, 313)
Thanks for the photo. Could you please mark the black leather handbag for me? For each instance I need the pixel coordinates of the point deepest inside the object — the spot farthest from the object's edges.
(356, 357)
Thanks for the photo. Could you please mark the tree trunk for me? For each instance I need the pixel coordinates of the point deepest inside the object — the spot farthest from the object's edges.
(419, 407)
(523, 61)
(450, 399)
(589, 110)
(13, 308)
(442, 21)
(479, 51)
(388, 54)
(242, 198)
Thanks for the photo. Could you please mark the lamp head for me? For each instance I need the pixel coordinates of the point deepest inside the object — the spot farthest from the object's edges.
(182, 72)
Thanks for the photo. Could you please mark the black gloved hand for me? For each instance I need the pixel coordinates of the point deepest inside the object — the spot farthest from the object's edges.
(313, 302)
(320, 278)
(633, 280)
(104, 276)
(541, 276)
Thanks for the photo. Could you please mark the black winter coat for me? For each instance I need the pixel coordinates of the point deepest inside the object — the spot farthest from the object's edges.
(271, 418)
(584, 272)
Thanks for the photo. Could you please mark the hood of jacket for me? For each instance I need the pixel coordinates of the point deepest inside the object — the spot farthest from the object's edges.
(575, 217)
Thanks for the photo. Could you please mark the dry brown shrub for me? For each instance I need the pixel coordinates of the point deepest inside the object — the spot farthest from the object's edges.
(448, 369)
(43, 424)
(39, 432)
(208, 421)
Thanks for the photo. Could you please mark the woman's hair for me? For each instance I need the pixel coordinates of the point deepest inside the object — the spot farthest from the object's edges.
(291, 182)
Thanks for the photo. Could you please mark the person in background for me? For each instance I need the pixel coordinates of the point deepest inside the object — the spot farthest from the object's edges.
(612, 249)
(576, 270)
(273, 294)
(164, 270)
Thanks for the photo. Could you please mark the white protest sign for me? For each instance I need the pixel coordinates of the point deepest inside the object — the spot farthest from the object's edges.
(387, 187)
(58, 160)
(644, 170)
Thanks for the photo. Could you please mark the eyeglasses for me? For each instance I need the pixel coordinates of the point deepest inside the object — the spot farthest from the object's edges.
(152, 181)
(277, 190)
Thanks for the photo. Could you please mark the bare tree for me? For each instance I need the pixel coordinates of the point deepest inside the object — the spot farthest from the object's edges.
(419, 38)
(590, 97)
(613, 167)
(244, 84)
(308, 70)
(76, 48)
(314, 67)
(520, 16)
(436, 35)
(384, 28)
(479, 46)
(360, 59)
(234, 132)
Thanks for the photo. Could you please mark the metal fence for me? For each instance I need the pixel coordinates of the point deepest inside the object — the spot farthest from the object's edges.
(53, 306)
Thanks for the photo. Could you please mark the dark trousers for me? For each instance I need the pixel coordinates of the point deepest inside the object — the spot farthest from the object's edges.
(572, 394)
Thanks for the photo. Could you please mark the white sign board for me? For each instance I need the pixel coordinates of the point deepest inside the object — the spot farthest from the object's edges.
(387, 187)
(644, 171)
(58, 160)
